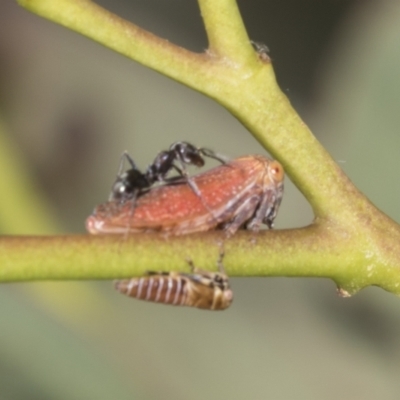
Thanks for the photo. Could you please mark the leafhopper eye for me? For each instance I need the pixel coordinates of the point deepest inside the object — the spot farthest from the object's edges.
(276, 171)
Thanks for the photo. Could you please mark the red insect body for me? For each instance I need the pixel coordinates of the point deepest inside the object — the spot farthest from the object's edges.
(244, 192)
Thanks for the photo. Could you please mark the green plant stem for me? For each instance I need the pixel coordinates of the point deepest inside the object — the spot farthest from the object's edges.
(226, 32)
(350, 241)
(266, 254)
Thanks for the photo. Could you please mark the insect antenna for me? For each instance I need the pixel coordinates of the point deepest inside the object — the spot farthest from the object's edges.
(221, 267)
(211, 154)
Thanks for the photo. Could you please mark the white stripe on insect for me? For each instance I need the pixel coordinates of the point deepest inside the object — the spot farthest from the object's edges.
(140, 283)
(170, 284)
(131, 286)
(177, 291)
(160, 286)
(149, 287)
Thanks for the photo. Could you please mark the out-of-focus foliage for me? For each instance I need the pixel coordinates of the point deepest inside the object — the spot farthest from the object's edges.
(71, 107)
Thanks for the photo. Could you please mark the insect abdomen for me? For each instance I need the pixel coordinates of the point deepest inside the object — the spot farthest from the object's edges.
(159, 288)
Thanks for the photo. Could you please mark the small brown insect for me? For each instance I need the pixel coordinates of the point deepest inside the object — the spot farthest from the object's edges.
(244, 192)
(201, 289)
(262, 50)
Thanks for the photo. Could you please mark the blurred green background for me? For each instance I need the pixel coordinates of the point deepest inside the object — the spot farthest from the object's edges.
(69, 107)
